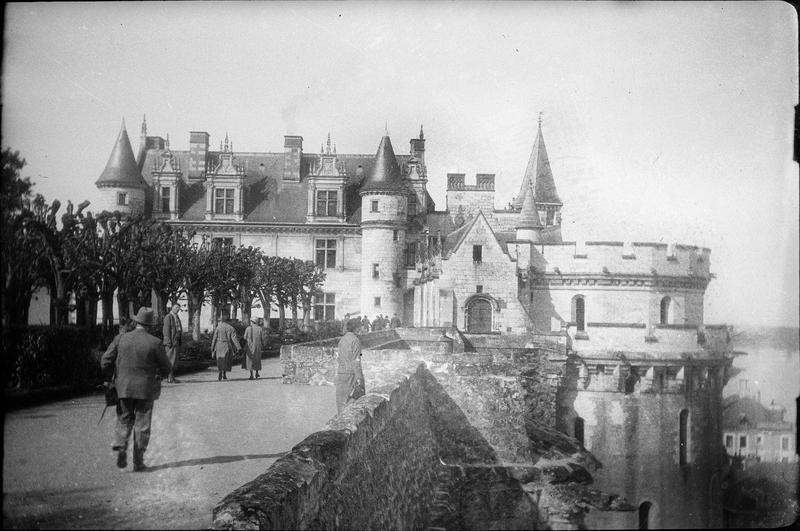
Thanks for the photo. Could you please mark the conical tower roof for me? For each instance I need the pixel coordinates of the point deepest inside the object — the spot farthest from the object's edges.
(538, 176)
(121, 169)
(529, 217)
(385, 174)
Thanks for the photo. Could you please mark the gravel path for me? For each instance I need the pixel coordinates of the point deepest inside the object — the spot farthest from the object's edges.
(208, 438)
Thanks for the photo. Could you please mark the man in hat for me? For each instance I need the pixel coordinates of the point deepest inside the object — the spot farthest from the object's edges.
(137, 358)
(255, 340)
(172, 338)
(224, 344)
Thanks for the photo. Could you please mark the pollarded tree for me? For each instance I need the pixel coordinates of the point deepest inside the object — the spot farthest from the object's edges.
(244, 269)
(311, 278)
(161, 248)
(197, 277)
(266, 280)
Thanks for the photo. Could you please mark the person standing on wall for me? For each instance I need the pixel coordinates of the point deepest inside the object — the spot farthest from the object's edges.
(377, 323)
(395, 322)
(255, 340)
(224, 344)
(140, 361)
(365, 325)
(173, 337)
(349, 376)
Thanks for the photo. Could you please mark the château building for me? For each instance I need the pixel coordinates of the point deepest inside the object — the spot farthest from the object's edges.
(648, 373)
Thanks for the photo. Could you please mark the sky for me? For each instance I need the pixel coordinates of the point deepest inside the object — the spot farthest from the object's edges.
(668, 122)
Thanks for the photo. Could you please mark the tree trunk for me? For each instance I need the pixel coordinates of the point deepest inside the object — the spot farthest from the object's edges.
(195, 303)
(281, 316)
(306, 317)
(294, 314)
(107, 301)
(81, 311)
(124, 305)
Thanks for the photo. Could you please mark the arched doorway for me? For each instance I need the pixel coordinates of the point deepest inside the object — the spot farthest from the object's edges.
(479, 316)
(644, 515)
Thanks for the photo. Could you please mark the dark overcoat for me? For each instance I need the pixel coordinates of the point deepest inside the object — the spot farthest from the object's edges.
(137, 357)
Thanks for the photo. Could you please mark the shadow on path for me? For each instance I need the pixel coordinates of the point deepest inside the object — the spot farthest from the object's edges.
(213, 460)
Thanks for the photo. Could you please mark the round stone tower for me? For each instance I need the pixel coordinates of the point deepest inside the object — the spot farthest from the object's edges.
(384, 198)
(121, 185)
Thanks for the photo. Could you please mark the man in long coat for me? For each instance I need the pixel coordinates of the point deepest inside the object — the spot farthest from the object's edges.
(224, 344)
(173, 332)
(255, 338)
(349, 376)
(137, 358)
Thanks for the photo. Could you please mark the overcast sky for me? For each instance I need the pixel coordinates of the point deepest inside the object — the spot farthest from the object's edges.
(664, 122)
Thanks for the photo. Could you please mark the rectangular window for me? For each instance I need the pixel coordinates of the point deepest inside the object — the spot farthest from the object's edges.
(223, 200)
(394, 235)
(411, 254)
(326, 253)
(223, 242)
(759, 441)
(324, 306)
(479, 289)
(122, 198)
(785, 444)
(327, 203)
(743, 441)
(377, 302)
(729, 441)
(477, 253)
(398, 281)
(412, 205)
(374, 206)
(165, 199)
(375, 273)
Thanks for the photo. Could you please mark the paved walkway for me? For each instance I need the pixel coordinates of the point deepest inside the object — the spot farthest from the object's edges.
(208, 438)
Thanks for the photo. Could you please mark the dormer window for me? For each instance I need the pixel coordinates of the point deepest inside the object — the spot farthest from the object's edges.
(327, 203)
(223, 200)
(165, 196)
(412, 205)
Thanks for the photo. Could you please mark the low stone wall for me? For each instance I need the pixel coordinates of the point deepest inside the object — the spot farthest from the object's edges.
(373, 467)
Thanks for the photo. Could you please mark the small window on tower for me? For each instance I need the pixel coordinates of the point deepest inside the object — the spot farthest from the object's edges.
(394, 235)
(122, 198)
(479, 289)
(377, 302)
(375, 273)
(477, 253)
(374, 206)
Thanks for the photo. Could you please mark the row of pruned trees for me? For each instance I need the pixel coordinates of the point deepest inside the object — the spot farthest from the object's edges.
(90, 259)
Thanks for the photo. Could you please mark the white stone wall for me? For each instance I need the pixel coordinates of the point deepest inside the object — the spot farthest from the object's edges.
(108, 200)
(381, 249)
(471, 200)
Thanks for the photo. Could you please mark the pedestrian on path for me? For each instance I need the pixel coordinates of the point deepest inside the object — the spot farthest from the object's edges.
(224, 345)
(140, 360)
(395, 322)
(173, 337)
(255, 340)
(110, 372)
(349, 376)
(365, 325)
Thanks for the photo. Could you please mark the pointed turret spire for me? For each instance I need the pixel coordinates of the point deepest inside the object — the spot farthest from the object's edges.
(538, 175)
(421, 134)
(121, 169)
(144, 125)
(386, 172)
(529, 216)
(226, 141)
(329, 143)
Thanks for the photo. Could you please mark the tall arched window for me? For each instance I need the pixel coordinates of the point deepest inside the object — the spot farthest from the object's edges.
(644, 515)
(579, 312)
(684, 437)
(579, 430)
(666, 311)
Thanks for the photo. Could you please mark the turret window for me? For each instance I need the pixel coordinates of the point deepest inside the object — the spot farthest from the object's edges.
(683, 434)
(122, 198)
(327, 203)
(579, 312)
(666, 311)
(374, 207)
(165, 195)
(223, 201)
(375, 272)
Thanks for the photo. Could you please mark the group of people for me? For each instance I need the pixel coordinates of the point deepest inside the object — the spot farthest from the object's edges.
(136, 361)
(225, 344)
(381, 322)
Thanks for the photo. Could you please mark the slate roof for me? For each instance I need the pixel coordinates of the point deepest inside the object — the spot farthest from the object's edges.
(267, 197)
(121, 168)
(745, 411)
(385, 174)
(539, 176)
(529, 217)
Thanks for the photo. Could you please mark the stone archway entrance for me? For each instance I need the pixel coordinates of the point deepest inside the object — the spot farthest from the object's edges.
(479, 316)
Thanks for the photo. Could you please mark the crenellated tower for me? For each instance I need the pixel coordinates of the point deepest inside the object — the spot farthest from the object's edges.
(121, 185)
(384, 211)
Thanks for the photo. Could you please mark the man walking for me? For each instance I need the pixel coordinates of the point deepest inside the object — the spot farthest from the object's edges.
(173, 336)
(224, 344)
(137, 358)
(349, 375)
